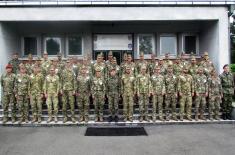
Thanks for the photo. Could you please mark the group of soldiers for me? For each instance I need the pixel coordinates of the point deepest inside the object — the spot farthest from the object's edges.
(161, 82)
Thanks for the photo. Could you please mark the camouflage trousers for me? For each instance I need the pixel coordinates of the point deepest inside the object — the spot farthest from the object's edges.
(170, 100)
(214, 105)
(227, 104)
(128, 106)
(113, 104)
(99, 103)
(22, 101)
(52, 103)
(143, 104)
(9, 101)
(200, 104)
(83, 105)
(36, 104)
(157, 104)
(68, 99)
(186, 105)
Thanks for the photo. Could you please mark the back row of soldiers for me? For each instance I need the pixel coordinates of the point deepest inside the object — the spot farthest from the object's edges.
(70, 81)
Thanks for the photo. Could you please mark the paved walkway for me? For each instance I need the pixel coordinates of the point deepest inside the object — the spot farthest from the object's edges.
(198, 139)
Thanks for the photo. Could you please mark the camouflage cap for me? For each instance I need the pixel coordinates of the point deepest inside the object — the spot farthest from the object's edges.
(144, 67)
(114, 58)
(30, 55)
(110, 53)
(22, 66)
(141, 53)
(98, 69)
(170, 63)
(45, 53)
(206, 54)
(59, 54)
(193, 58)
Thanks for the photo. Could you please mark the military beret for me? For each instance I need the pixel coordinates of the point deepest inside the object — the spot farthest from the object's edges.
(9, 66)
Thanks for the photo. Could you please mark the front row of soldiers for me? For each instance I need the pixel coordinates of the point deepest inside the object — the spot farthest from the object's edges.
(165, 90)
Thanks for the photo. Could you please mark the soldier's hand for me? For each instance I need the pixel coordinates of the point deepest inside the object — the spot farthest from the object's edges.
(42, 95)
(206, 94)
(192, 94)
(46, 95)
(180, 94)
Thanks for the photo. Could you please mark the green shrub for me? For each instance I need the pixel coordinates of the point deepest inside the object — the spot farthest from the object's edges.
(232, 67)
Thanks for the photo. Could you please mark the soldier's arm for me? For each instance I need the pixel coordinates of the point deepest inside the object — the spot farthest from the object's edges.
(45, 86)
(178, 85)
(207, 87)
(164, 86)
(192, 85)
(58, 85)
(2, 81)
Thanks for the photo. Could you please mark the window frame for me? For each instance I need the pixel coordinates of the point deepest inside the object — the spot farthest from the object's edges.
(176, 43)
(23, 43)
(197, 42)
(67, 44)
(146, 56)
(52, 36)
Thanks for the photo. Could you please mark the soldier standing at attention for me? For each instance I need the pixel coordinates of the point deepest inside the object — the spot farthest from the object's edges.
(151, 65)
(123, 63)
(68, 91)
(45, 64)
(101, 65)
(98, 88)
(207, 64)
(158, 91)
(171, 93)
(8, 98)
(201, 92)
(15, 62)
(113, 93)
(22, 84)
(51, 91)
(143, 92)
(141, 63)
(29, 64)
(228, 91)
(186, 92)
(83, 93)
(128, 90)
(215, 95)
(36, 93)
(176, 67)
(193, 67)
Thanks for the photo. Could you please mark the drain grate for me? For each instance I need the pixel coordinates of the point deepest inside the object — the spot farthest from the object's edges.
(116, 131)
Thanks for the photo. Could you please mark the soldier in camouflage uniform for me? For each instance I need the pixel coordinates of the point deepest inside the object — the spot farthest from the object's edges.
(167, 60)
(143, 85)
(99, 64)
(75, 65)
(36, 93)
(15, 62)
(158, 91)
(207, 64)
(88, 64)
(201, 92)
(186, 92)
(215, 95)
(22, 85)
(193, 67)
(113, 93)
(140, 63)
(68, 90)
(45, 64)
(29, 65)
(128, 90)
(8, 98)
(176, 67)
(98, 88)
(228, 91)
(110, 58)
(114, 65)
(51, 89)
(123, 63)
(83, 93)
(131, 65)
(60, 64)
(171, 93)
(151, 65)
(183, 61)
(163, 68)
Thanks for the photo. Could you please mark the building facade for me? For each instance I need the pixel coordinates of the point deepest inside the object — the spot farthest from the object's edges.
(90, 26)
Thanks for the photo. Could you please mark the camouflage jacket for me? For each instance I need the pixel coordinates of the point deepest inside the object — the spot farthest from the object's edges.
(83, 84)
(15, 63)
(185, 84)
(151, 66)
(7, 83)
(214, 86)
(201, 84)
(139, 64)
(22, 84)
(36, 84)
(113, 85)
(133, 68)
(227, 83)
(45, 65)
(158, 84)
(128, 85)
(51, 85)
(171, 83)
(98, 86)
(177, 69)
(68, 80)
(143, 84)
(193, 70)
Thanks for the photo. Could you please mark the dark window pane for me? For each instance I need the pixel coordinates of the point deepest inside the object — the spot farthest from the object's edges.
(146, 44)
(75, 45)
(53, 45)
(190, 44)
(30, 45)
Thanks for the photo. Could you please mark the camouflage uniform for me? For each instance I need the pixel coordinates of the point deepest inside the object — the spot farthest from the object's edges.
(22, 85)
(15, 63)
(68, 80)
(171, 95)
(206, 64)
(98, 88)
(8, 98)
(36, 94)
(128, 90)
(201, 91)
(158, 90)
(215, 92)
(143, 92)
(84, 92)
(45, 65)
(185, 89)
(113, 93)
(228, 92)
(52, 88)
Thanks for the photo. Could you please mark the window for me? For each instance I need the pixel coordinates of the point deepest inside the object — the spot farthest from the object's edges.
(29, 46)
(190, 43)
(52, 45)
(146, 44)
(168, 44)
(74, 44)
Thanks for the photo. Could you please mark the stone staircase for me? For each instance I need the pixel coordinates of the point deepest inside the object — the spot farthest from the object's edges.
(105, 122)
